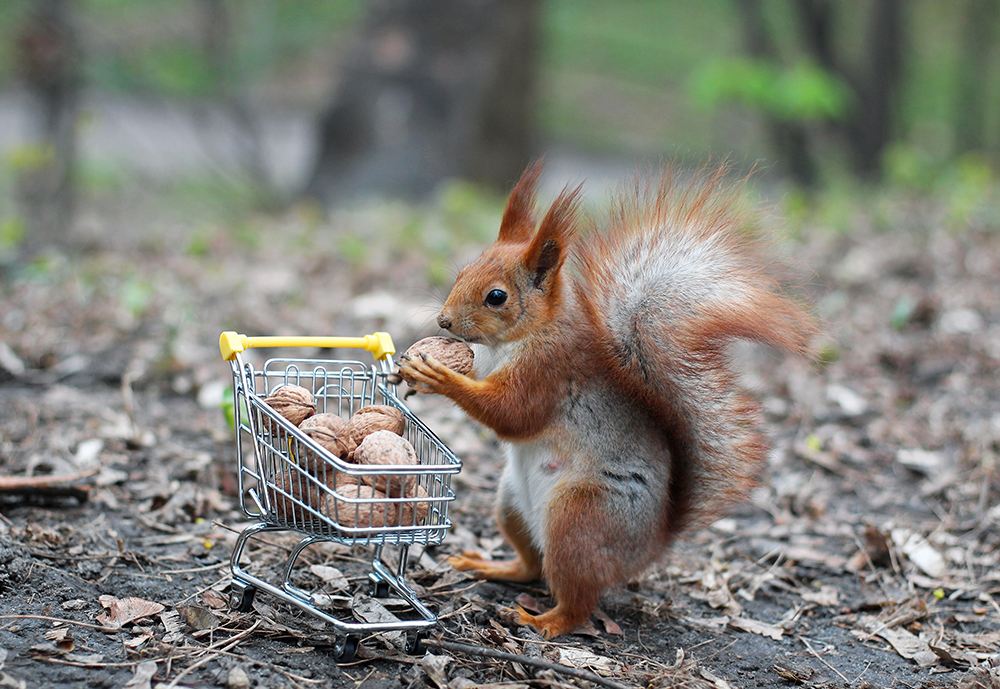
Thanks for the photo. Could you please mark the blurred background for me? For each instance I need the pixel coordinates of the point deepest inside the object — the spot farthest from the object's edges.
(161, 158)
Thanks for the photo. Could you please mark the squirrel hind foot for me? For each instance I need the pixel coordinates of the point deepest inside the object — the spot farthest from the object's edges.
(515, 570)
(551, 623)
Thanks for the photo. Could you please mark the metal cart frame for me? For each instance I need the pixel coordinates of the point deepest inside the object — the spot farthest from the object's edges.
(291, 483)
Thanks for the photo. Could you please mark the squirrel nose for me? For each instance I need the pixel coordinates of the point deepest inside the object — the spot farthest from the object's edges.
(444, 321)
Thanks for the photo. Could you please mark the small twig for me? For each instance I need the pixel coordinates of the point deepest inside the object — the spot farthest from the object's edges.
(484, 652)
(823, 660)
(75, 663)
(225, 644)
(53, 485)
(20, 483)
(63, 620)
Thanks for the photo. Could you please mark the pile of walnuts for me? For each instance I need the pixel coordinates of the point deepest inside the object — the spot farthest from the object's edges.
(372, 436)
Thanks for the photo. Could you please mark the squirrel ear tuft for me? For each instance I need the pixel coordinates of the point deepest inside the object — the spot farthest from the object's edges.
(547, 251)
(518, 222)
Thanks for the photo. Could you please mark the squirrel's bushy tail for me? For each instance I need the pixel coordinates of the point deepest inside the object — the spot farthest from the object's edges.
(675, 278)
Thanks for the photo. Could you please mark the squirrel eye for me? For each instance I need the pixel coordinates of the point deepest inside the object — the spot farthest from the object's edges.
(496, 297)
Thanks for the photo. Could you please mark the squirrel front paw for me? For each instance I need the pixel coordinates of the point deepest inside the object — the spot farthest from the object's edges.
(427, 374)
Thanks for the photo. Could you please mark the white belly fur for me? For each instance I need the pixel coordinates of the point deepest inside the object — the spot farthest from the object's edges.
(528, 479)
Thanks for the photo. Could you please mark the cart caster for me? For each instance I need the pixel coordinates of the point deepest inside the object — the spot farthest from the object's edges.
(241, 596)
(346, 649)
(415, 644)
(378, 589)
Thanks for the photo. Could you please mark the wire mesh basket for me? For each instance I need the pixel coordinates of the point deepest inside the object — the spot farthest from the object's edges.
(289, 482)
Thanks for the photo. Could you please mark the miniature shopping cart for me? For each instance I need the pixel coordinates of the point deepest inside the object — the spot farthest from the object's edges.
(290, 483)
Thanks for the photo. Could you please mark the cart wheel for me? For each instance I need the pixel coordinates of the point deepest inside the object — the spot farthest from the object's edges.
(346, 649)
(241, 596)
(378, 589)
(415, 644)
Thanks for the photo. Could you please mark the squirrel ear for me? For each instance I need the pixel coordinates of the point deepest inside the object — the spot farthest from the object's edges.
(519, 216)
(548, 249)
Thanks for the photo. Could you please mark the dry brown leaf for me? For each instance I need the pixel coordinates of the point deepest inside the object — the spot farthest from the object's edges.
(610, 626)
(214, 600)
(142, 676)
(827, 595)
(198, 618)
(331, 575)
(583, 659)
(121, 611)
(529, 603)
(61, 639)
(797, 675)
(717, 682)
(435, 667)
(920, 552)
(757, 627)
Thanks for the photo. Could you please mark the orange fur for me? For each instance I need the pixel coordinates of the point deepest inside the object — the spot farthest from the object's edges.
(637, 331)
(526, 565)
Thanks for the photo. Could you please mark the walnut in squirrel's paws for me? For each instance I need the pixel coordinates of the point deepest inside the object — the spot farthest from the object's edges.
(451, 353)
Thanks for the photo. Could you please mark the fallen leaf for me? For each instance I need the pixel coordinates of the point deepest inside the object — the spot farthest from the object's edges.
(757, 627)
(214, 600)
(529, 603)
(331, 575)
(171, 620)
(827, 596)
(121, 611)
(142, 676)
(198, 618)
(922, 461)
(580, 658)
(139, 639)
(610, 626)
(920, 552)
(798, 675)
(371, 610)
(61, 638)
(435, 666)
(717, 682)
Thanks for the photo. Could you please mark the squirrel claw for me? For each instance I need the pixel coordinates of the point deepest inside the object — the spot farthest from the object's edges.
(427, 373)
(549, 624)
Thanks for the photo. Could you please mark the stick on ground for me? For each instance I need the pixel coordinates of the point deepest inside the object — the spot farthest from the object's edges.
(482, 651)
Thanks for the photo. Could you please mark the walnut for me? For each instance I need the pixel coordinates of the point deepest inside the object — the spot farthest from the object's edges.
(331, 432)
(387, 448)
(376, 417)
(453, 353)
(299, 496)
(376, 514)
(292, 487)
(293, 402)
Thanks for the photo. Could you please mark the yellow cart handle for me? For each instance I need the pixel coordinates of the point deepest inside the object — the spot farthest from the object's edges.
(379, 344)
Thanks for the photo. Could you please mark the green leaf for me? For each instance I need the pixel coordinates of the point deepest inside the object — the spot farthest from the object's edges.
(228, 406)
(902, 312)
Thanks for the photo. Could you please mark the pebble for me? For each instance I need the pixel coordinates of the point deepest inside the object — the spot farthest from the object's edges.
(237, 679)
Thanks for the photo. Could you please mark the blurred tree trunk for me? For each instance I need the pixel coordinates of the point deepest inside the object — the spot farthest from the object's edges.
(790, 140)
(973, 68)
(868, 129)
(431, 91)
(48, 60)
(217, 44)
(878, 86)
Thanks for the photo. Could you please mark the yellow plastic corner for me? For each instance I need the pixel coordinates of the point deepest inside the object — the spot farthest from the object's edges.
(231, 343)
(381, 346)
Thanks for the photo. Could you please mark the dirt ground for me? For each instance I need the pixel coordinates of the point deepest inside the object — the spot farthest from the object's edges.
(869, 558)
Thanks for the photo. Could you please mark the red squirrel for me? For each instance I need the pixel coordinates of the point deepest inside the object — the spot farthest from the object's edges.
(601, 361)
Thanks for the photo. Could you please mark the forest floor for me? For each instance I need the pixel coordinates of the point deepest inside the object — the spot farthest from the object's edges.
(869, 558)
